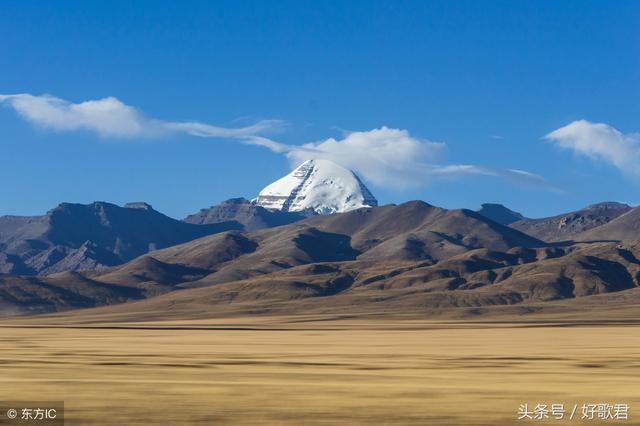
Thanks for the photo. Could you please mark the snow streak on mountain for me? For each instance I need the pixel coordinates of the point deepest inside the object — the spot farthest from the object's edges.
(320, 185)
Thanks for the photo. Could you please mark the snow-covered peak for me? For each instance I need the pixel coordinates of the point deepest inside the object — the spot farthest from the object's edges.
(320, 185)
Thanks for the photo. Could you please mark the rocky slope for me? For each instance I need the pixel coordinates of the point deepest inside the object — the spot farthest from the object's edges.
(625, 227)
(568, 225)
(252, 217)
(76, 237)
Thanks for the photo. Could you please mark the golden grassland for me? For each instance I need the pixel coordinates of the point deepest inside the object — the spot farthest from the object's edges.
(289, 371)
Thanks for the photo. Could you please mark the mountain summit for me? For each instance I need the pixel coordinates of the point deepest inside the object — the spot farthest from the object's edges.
(320, 185)
(499, 213)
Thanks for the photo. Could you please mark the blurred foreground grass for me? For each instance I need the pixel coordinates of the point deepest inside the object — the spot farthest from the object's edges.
(251, 372)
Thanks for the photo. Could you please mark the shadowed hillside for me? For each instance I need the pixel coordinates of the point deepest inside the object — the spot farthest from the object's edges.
(625, 227)
(570, 226)
(499, 213)
(79, 237)
(252, 217)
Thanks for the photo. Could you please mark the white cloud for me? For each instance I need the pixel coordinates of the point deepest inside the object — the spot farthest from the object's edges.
(462, 169)
(385, 156)
(514, 175)
(393, 158)
(109, 117)
(600, 142)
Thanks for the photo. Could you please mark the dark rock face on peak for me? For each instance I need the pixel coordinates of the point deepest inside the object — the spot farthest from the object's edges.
(568, 226)
(251, 216)
(77, 236)
(499, 213)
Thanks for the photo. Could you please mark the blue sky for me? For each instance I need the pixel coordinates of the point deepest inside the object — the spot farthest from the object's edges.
(486, 80)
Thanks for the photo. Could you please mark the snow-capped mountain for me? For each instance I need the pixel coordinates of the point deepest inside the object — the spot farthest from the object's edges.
(320, 185)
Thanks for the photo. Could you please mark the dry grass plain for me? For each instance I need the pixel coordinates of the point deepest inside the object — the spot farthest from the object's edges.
(293, 371)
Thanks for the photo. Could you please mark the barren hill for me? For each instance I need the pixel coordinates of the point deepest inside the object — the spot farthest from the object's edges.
(79, 237)
(625, 227)
(568, 225)
(251, 216)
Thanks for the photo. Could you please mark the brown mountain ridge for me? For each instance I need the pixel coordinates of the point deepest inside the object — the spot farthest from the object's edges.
(569, 226)
(410, 256)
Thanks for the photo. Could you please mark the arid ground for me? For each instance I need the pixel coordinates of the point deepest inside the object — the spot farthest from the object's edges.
(320, 371)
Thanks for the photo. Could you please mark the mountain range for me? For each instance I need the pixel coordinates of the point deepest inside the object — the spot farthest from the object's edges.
(239, 256)
(573, 225)
(76, 236)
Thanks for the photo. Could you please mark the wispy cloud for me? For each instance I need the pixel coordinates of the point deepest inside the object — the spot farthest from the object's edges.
(111, 118)
(601, 142)
(385, 156)
(393, 158)
(518, 176)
